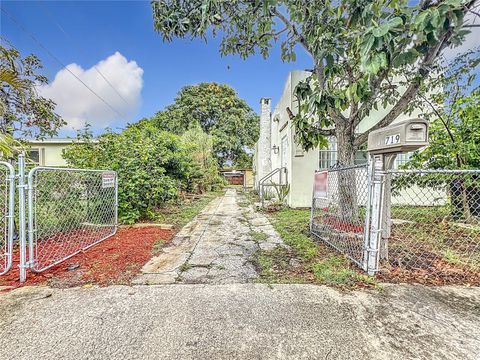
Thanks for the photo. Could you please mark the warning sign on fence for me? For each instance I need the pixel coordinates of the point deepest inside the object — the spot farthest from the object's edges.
(321, 185)
(108, 180)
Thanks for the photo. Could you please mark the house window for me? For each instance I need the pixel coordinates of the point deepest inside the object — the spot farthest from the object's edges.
(402, 159)
(328, 156)
(34, 156)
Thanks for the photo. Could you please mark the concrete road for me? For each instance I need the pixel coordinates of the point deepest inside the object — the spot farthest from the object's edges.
(240, 321)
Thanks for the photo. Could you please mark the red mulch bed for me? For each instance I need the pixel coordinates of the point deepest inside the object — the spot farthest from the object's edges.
(116, 260)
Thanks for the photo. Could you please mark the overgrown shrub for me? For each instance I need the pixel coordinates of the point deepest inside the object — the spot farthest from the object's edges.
(153, 167)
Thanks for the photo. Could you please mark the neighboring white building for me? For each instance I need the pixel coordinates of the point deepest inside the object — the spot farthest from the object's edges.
(48, 152)
(276, 145)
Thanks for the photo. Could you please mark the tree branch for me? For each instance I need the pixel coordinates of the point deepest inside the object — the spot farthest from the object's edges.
(324, 132)
(293, 29)
(412, 90)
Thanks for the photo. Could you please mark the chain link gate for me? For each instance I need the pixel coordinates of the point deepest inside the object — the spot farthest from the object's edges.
(7, 203)
(61, 212)
(69, 210)
(340, 210)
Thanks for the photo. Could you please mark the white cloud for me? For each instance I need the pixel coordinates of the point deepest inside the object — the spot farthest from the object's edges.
(78, 105)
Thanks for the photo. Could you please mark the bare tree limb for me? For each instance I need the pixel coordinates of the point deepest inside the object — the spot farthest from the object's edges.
(412, 90)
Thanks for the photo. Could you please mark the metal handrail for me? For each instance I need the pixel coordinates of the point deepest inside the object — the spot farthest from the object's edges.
(269, 176)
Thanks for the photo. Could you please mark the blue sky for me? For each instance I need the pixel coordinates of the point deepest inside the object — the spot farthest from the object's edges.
(97, 30)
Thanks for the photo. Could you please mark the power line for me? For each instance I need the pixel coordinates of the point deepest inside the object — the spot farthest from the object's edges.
(79, 49)
(21, 27)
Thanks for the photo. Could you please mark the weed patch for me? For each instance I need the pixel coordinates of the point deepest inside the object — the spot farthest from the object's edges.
(314, 261)
(258, 236)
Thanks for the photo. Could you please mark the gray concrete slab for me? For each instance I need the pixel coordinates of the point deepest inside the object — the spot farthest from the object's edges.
(214, 248)
(240, 321)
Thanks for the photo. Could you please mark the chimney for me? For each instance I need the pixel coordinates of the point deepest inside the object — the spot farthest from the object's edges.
(265, 139)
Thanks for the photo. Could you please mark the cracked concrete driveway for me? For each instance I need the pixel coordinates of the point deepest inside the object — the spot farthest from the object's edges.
(214, 248)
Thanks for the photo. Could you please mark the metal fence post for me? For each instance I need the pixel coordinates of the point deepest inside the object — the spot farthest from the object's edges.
(9, 203)
(21, 217)
(375, 237)
(31, 253)
(368, 212)
(116, 202)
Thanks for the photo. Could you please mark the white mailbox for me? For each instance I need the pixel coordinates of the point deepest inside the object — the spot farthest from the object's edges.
(402, 137)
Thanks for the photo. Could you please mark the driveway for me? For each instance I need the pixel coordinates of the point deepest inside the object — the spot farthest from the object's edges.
(216, 247)
(240, 321)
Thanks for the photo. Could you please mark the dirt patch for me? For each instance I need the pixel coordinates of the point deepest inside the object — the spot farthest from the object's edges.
(116, 260)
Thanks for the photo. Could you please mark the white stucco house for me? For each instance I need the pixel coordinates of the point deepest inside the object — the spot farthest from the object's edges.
(276, 145)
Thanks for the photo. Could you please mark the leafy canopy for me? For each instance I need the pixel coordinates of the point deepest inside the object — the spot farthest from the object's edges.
(153, 166)
(22, 110)
(220, 113)
(454, 116)
(366, 55)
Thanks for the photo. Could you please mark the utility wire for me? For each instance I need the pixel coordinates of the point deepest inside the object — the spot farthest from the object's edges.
(21, 27)
(79, 49)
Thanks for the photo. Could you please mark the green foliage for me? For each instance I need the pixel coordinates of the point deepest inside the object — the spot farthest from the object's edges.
(205, 176)
(455, 140)
(231, 123)
(152, 166)
(180, 215)
(454, 116)
(366, 55)
(22, 110)
(335, 270)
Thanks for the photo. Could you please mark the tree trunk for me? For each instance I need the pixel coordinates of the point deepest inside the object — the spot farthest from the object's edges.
(460, 207)
(347, 189)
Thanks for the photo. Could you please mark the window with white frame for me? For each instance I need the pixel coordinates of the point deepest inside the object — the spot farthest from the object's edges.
(328, 156)
(34, 156)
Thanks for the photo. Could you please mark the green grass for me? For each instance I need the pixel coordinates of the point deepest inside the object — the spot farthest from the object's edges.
(258, 235)
(157, 246)
(317, 263)
(424, 214)
(335, 270)
(180, 214)
(293, 227)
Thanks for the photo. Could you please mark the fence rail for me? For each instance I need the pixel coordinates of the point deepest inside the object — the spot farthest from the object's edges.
(61, 211)
(7, 201)
(69, 210)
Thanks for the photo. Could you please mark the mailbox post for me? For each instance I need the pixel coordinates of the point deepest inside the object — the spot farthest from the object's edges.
(383, 146)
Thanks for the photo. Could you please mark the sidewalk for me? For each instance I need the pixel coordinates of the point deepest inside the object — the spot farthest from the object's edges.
(240, 321)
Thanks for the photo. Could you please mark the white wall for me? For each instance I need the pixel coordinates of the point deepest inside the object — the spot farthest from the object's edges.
(301, 165)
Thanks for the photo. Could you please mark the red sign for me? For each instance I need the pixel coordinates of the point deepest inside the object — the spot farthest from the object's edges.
(320, 187)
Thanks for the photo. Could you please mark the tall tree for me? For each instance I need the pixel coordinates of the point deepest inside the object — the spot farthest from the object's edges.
(219, 111)
(22, 111)
(365, 54)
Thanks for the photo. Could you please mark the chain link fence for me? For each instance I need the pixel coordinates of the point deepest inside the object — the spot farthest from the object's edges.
(7, 193)
(69, 210)
(433, 232)
(339, 210)
(428, 221)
